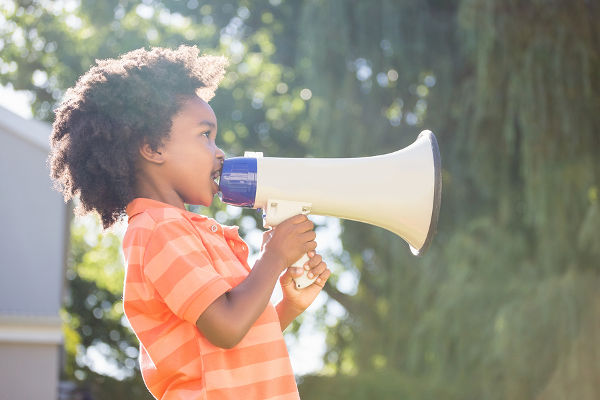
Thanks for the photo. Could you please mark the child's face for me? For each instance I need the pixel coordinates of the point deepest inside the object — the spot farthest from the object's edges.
(191, 158)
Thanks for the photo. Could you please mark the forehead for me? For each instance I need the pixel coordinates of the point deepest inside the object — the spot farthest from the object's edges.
(194, 110)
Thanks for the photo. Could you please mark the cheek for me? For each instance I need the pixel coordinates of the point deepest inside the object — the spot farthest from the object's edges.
(208, 157)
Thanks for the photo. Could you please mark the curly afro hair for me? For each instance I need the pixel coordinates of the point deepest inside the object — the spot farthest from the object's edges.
(111, 110)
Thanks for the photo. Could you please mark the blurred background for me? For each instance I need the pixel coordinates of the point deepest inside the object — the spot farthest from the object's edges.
(505, 304)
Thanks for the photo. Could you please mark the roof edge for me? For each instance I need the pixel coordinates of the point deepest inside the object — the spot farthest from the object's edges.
(32, 131)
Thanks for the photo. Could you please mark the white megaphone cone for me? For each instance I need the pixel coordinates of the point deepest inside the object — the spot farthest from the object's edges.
(399, 191)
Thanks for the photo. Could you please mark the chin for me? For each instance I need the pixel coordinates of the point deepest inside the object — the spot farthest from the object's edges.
(205, 201)
(199, 201)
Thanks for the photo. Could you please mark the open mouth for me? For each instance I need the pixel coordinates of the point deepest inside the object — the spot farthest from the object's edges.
(216, 176)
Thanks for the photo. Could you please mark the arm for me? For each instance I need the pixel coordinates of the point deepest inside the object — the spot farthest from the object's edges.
(287, 313)
(227, 320)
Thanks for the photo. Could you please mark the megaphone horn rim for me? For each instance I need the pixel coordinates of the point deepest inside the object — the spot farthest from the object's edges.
(437, 194)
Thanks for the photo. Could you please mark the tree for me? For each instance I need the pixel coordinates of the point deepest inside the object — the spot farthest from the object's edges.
(501, 304)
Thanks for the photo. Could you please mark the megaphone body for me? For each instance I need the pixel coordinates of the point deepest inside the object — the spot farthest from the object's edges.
(399, 191)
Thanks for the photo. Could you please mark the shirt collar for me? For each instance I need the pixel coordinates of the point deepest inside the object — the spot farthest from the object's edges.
(141, 204)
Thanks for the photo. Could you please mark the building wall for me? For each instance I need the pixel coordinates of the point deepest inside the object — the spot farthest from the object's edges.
(33, 240)
(29, 370)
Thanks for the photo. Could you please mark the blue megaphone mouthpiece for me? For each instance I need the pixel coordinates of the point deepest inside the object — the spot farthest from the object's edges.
(237, 185)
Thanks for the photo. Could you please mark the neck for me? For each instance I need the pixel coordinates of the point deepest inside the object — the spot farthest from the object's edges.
(152, 187)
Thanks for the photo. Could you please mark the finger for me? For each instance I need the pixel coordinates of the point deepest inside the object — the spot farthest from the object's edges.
(288, 276)
(305, 226)
(308, 236)
(318, 270)
(322, 279)
(308, 246)
(314, 260)
(296, 219)
(320, 282)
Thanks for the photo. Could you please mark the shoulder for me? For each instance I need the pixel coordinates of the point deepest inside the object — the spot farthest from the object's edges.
(156, 224)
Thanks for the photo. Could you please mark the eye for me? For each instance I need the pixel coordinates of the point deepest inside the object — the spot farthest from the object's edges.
(206, 133)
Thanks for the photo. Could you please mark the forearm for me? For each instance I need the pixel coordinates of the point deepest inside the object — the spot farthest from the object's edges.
(227, 320)
(287, 314)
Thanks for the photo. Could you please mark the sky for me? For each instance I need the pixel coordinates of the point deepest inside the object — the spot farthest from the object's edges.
(15, 101)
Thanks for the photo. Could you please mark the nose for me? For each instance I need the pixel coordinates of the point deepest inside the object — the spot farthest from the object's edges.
(219, 154)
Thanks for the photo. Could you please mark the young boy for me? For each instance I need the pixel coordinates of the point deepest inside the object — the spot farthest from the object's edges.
(137, 135)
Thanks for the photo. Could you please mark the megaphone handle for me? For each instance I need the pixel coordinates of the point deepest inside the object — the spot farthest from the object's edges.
(303, 281)
(276, 212)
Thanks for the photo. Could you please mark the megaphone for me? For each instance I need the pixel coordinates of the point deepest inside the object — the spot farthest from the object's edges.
(399, 191)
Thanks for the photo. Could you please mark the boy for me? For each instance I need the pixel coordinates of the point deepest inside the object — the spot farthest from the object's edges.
(137, 135)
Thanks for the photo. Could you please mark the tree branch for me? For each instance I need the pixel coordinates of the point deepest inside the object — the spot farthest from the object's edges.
(345, 300)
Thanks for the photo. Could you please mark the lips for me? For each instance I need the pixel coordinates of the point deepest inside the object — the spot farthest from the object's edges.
(216, 176)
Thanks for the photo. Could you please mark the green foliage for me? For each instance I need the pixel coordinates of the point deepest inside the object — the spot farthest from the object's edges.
(512, 104)
(504, 305)
(93, 317)
(380, 385)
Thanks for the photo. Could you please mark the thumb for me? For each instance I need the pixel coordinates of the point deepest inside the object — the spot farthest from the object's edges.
(291, 272)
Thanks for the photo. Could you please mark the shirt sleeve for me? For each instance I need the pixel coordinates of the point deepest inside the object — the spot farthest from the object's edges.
(178, 266)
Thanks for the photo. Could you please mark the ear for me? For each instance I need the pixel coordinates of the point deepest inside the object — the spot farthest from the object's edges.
(150, 155)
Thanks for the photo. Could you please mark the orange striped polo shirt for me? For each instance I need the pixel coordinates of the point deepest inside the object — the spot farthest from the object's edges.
(178, 263)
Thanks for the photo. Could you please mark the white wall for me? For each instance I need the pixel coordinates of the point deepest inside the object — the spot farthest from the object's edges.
(33, 240)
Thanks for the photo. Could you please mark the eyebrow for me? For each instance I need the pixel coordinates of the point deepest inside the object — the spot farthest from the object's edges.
(207, 123)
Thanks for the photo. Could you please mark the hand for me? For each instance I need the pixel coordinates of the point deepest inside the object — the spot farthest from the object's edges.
(290, 240)
(300, 299)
